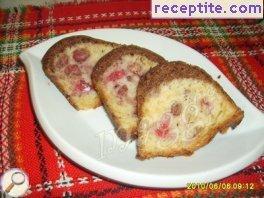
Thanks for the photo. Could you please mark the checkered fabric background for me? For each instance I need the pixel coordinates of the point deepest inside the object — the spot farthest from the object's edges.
(234, 46)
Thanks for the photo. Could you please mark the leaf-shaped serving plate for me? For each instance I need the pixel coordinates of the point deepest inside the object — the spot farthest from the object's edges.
(87, 137)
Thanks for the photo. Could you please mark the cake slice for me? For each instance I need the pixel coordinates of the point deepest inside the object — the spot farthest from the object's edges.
(180, 109)
(69, 64)
(115, 78)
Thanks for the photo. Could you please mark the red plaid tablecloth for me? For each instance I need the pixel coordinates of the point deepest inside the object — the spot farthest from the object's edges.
(235, 46)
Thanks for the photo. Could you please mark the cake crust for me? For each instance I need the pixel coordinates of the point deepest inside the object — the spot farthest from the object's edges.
(167, 72)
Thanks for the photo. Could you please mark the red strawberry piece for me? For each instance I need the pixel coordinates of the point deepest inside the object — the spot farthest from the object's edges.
(80, 55)
(72, 70)
(163, 129)
(176, 109)
(116, 75)
(82, 86)
(62, 61)
(122, 91)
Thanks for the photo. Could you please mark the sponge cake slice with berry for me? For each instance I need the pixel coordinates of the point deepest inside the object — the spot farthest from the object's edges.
(115, 78)
(180, 109)
(69, 64)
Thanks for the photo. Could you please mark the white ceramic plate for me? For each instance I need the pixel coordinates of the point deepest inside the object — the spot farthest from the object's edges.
(88, 139)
